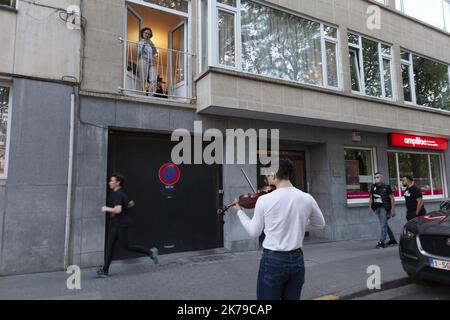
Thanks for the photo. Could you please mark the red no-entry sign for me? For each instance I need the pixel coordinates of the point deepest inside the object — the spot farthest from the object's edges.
(169, 174)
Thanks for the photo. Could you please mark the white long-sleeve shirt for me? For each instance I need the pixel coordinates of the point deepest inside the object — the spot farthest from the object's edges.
(284, 215)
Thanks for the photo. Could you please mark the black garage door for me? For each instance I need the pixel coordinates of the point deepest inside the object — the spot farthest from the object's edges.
(180, 219)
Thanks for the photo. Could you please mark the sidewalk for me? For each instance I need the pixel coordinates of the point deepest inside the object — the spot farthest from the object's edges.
(335, 269)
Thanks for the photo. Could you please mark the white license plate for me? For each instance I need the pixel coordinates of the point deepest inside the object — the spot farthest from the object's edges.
(440, 264)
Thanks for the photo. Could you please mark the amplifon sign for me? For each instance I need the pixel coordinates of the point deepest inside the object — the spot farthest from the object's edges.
(418, 142)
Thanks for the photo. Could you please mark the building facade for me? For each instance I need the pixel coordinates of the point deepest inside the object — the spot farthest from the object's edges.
(354, 87)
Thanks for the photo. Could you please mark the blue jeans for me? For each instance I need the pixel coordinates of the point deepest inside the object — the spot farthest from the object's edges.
(281, 276)
(384, 217)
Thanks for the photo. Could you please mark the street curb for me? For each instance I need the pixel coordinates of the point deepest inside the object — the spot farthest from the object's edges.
(384, 286)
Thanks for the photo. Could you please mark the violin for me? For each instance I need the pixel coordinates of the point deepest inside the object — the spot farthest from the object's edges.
(248, 201)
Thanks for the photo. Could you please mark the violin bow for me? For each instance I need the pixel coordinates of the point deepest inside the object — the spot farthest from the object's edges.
(248, 180)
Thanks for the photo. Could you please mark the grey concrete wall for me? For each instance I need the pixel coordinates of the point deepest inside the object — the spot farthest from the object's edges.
(33, 200)
(37, 43)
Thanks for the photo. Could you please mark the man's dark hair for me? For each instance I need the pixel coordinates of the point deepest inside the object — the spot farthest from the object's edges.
(119, 177)
(285, 169)
(409, 177)
(378, 173)
(146, 29)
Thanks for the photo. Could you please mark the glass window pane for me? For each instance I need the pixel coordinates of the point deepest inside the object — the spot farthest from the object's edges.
(429, 11)
(178, 55)
(332, 69)
(432, 83)
(228, 2)
(404, 55)
(355, 70)
(372, 77)
(406, 83)
(436, 175)
(386, 50)
(417, 166)
(330, 31)
(4, 105)
(281, 45)
(353, 38)
(387, 77)
(393, 178)
(359, 173)
(226, 39)
(180, 5)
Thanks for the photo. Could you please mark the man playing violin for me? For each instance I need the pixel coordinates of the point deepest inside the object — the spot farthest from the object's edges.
(284, 215)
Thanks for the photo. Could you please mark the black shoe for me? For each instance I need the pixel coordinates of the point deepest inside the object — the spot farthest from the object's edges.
(380, 245)
(99, 273)
(392, 243)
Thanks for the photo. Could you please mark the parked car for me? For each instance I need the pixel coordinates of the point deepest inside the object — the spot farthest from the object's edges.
(425, 246)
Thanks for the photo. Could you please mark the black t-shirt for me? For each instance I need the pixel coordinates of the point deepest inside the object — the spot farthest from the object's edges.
(411, 195)
(380, 196)
(120, 198)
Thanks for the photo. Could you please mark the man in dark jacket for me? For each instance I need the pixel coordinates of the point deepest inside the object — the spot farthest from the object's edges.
(382, 202)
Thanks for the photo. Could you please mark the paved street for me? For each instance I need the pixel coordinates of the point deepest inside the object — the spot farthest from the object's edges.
(333, 270)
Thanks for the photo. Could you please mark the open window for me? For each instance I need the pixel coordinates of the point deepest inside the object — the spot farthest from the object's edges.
(156, 58)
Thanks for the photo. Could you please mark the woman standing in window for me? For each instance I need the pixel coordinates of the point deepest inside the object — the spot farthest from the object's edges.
(147, 59)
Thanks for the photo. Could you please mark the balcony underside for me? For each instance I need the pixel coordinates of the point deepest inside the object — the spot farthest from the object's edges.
(247, 96)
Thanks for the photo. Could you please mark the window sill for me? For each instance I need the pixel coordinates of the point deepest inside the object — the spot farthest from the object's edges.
(8, 8)
(335, 91)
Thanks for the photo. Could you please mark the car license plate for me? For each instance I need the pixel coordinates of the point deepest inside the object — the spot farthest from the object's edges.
(440, 264)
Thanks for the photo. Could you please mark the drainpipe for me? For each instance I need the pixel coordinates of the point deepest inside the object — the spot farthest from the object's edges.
(69, 181)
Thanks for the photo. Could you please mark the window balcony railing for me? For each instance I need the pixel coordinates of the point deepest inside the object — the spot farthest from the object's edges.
(157, 72)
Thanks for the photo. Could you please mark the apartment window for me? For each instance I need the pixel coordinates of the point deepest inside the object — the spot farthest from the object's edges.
(426, 169)
(425, 82)
(9, 3)
(282, 45)
(370, 67)
(359, 172)
(5, 101)
(226, 36)
(434, 12)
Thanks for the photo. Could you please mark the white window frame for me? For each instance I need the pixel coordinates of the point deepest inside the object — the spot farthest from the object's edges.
(400, 6)
(362, 81)
(4, 175)
(441, 169)
(213, 54)
(412, 82)
(324, 40)
(373, 151)
(412, 78)
(446, 7)
(237, 32)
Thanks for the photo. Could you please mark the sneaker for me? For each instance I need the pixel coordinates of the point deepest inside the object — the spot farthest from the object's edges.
(153, 254)
(380, 245)
(99, 273)
(392, 243)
